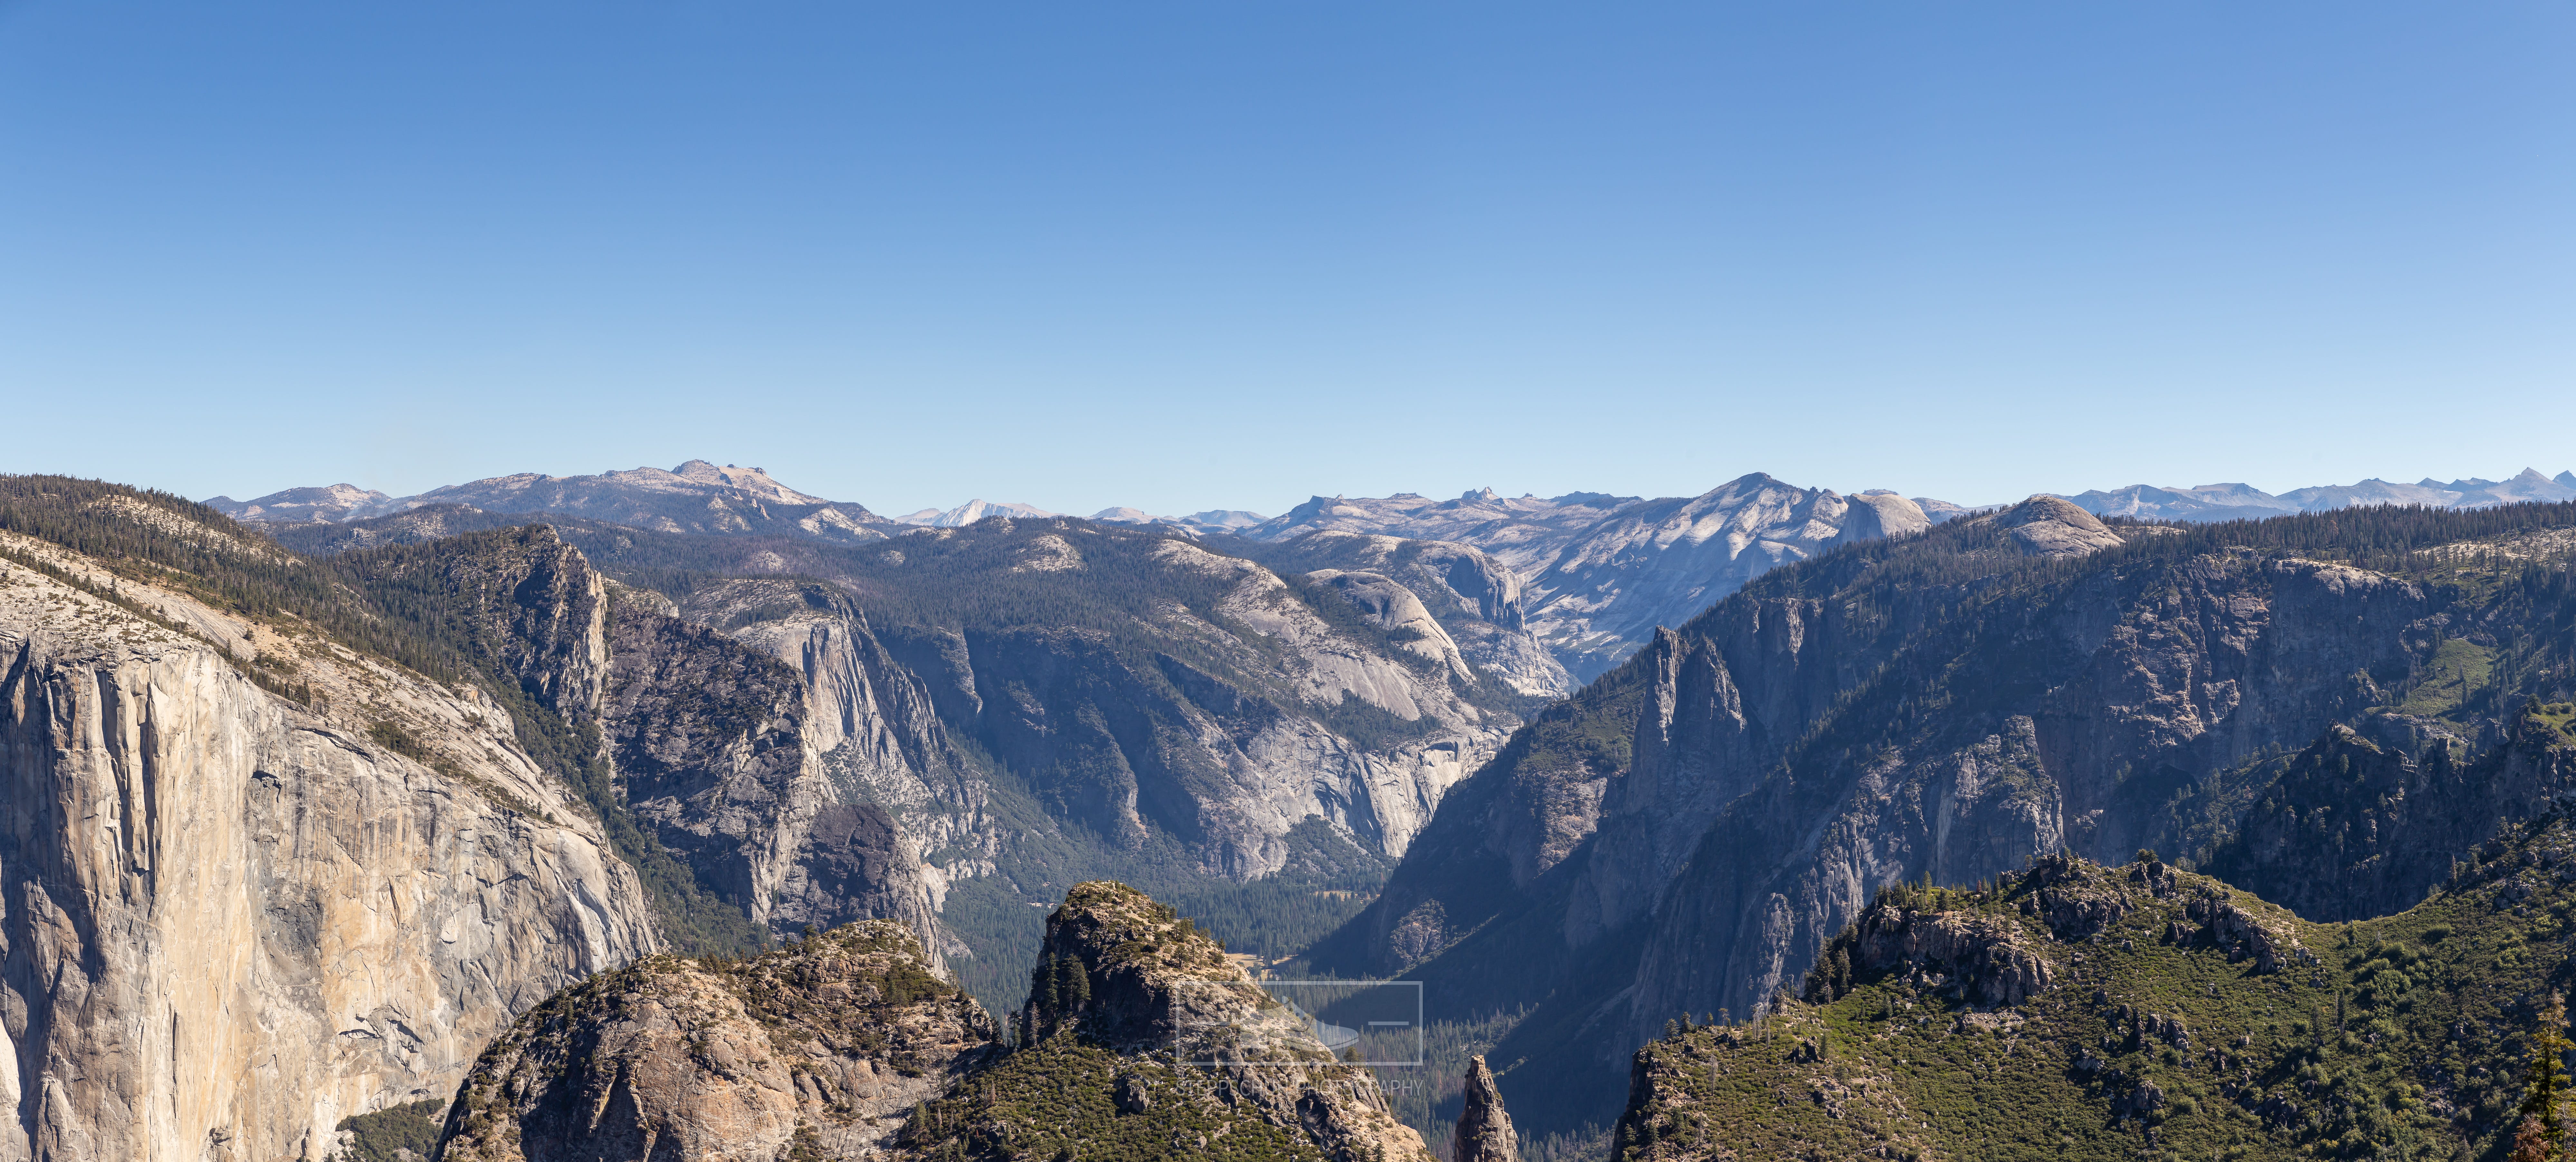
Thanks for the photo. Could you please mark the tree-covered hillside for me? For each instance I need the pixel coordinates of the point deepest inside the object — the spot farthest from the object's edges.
(2073, 1010)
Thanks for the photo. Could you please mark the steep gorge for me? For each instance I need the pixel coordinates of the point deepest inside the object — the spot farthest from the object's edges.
(1687, 832)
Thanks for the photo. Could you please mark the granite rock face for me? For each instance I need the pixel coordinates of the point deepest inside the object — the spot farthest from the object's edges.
(1153, 986)
(2354, 829)
(234, 918)
(1599, 573)
(874, 761)
(1476, 598)
(2149, 682)
(1689, 832)
(2049, 526)
(1484, 1130)
(1984, 961)
(1286, 714)
(818, 1050)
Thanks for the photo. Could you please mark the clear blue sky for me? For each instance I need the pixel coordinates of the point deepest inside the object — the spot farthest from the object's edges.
(1229, 254)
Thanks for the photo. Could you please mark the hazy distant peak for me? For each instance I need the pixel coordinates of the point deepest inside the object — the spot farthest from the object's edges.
(753, 480)
(334, 502)
(970, 512)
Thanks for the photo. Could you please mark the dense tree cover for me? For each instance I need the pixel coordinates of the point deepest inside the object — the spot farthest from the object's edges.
(2426, 1035)
(383, 1135)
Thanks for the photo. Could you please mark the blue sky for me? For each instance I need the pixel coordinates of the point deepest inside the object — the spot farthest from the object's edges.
(1227, 255)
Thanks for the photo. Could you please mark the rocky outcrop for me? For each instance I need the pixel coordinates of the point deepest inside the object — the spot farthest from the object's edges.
(1694, 753)
(874, 723)
(714, 748)
(1394, 609)
(533, 606)
(1149, 983)
(2049, 526)
(233, 917)
(1484, 1130)
(1985, 961)
(818, 1050)
(725, 750)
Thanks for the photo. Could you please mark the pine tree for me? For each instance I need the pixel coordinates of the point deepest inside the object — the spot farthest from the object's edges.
(2546, 1075)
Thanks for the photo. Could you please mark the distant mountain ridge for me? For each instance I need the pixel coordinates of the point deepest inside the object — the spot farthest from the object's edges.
(1602, 571)
(1599, 572)
(696, 497)
(2216, 502)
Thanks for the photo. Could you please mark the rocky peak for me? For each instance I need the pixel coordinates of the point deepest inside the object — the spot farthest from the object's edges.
(2052, 526)
(335, 502)
(1877, 515)
(1121, 972)
(1484, 1130)
(819, 1049)
(1113, 968)
(1985, 960)
(756, 481)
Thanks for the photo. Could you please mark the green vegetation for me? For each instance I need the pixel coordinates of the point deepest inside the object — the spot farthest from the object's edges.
(2457, 670)
(378, 1137)
(1060, 1100)
(2408, 1037)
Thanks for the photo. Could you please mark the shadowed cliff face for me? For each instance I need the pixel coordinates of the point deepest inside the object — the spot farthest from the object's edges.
(2092, 708)
(235, 918)
(721, 750)
(2352, 829)
(1686, 833)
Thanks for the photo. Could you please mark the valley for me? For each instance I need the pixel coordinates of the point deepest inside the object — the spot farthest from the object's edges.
(1615, 780)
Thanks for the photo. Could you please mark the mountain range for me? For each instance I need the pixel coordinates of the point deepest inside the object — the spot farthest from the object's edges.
(356, 805)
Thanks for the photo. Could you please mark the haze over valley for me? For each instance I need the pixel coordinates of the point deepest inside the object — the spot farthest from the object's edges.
(1287, 583)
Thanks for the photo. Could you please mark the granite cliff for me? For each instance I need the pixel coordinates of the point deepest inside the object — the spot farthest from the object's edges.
(1688, 832)
(258, 880)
